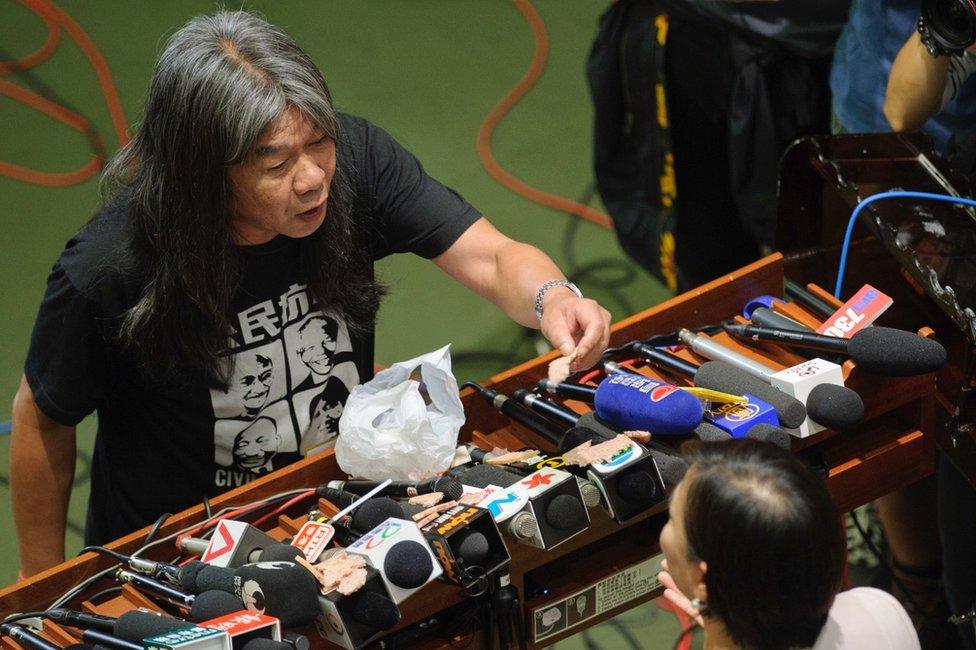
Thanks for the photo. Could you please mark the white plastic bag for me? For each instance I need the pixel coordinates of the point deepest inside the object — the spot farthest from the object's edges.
(388, 431)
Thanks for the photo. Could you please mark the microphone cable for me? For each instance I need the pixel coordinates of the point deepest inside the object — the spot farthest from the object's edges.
(893, 194)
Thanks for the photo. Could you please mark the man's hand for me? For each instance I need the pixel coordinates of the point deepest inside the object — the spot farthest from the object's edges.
(672, 593)
(577, 327)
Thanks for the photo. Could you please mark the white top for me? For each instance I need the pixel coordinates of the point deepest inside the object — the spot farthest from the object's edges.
(867, 618)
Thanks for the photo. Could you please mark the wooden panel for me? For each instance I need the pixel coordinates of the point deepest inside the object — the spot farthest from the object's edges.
(891, 448)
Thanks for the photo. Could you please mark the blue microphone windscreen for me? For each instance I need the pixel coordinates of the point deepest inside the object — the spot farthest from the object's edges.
(632, 402)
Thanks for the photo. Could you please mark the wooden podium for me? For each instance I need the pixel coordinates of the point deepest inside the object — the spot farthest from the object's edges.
(608, 568)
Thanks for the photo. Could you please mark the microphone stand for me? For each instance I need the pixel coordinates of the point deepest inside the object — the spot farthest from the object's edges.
(507, 610)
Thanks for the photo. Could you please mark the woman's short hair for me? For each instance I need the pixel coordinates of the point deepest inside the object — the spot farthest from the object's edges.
(772, 540)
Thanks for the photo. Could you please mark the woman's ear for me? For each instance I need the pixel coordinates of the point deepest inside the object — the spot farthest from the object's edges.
(701, 591)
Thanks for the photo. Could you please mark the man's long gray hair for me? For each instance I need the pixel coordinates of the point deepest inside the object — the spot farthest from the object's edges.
(219, 82)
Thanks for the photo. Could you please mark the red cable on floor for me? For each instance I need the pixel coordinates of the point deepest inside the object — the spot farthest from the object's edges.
(505, 105)
(56, 19)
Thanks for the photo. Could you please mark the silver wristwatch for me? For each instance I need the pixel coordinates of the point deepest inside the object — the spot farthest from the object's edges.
(551, 284)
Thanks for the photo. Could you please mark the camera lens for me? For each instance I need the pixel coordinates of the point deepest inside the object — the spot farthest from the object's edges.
(952, 23)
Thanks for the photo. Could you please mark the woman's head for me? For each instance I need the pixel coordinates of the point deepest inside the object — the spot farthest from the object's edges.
(754, 535)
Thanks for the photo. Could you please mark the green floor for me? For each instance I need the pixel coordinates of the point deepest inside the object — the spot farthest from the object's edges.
(426, 71)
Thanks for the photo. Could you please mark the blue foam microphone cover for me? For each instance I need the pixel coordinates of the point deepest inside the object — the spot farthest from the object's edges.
(634, 402)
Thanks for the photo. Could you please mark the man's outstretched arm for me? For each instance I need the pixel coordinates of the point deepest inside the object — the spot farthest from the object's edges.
(510, 273)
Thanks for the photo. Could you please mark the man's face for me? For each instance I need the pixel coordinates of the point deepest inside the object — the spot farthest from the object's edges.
(253, 383)
(282, 185)
(256, 445)
(316, 347)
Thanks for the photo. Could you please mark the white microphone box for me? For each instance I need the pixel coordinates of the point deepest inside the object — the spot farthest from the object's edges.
(802, 378)
(377, 543)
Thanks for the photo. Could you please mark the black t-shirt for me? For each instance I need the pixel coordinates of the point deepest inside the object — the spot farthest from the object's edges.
(161, 445)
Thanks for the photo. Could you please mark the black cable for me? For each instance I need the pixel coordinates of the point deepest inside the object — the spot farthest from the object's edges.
(106, 551)
(103, 593)
(13, 618)
(155, 527)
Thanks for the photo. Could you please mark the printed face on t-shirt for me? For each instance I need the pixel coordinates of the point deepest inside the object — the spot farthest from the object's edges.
(325, 416)
(317, 345)
(282, 186)
(251, 382)
(256, 445)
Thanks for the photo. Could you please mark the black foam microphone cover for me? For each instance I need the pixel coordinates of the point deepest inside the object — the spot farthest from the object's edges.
(577, 436)
(771, 434)
(895, 353)
(449, 486)
(671, 467)
(709, 432)
(375, 610)
(472, 547)
(636, 487)
(213, 577)
(407, 564)
(213, 603)
(725, 377)
(188, 576)
(835, 407)
(281, 552)
(374, 512)
(134, 626)
(565, 512)
(285, 590)
(481, 476)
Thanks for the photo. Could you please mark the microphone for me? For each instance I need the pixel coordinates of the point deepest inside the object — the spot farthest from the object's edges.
(468, 544)
(353, 621)
(545, 508)
(725, 377)
(518, 412)
(835, 407)
(213, 604)
(771, 434)
(588, 491)
(807, 299)
(765, 317)
(734, 419)
(241, 626)
(137, 626)
(797, 381)
(621, 499)
(26, 637)
(236, 543)
(404, 489)
(397, 548)
(284, 590)
(592, 421)
(642, 403)
(878, 350)
(156, 588)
